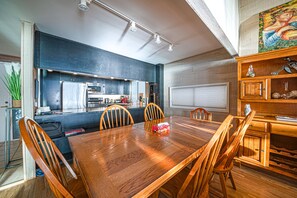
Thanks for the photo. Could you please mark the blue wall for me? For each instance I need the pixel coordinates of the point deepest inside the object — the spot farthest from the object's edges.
(50, 84)
(60, 54)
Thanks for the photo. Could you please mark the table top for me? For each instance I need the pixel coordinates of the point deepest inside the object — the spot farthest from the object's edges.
(134, 161)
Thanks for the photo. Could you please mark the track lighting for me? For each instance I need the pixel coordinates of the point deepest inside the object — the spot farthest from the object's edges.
(84, 5)
(170, 48)
(133, 27)
(158, 39)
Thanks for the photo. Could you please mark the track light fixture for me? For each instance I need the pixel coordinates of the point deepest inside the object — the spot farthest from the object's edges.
(170, 48)
(133, 27)
(158, 39)
(84, 5)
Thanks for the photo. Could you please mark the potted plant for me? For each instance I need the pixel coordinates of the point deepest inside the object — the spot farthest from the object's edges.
(12, 82)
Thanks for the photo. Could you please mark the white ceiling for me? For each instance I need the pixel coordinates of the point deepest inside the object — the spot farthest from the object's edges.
(173, 19)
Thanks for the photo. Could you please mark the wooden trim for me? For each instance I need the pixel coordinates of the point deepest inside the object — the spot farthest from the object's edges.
(268, 55)
(8, 58)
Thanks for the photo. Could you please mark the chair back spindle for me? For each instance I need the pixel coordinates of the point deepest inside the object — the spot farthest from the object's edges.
(201, 114)
(153, 112)
(46, 155)
(230, 149)
(202, 170)
(115, 116)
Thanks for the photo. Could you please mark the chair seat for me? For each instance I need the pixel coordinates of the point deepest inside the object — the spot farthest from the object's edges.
(77, 188)
(220, 168)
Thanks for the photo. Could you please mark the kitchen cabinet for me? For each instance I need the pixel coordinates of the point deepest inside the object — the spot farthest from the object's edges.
(253, 89)
(255, 148)
(269, 142)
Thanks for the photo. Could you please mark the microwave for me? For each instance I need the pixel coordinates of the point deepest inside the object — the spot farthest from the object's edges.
(95, 89)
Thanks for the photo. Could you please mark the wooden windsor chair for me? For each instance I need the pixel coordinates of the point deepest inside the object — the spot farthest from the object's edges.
(201, 114)
(224, 163)
(48, 158)
(153, 112)
(115, 116)
(195, 182)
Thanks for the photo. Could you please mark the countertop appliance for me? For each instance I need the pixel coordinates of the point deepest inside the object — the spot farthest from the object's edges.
(94, 94)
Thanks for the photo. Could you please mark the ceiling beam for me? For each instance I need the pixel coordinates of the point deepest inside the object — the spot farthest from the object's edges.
(201, 9)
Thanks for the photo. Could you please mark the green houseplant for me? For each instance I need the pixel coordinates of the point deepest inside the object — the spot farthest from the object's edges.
(12, 81)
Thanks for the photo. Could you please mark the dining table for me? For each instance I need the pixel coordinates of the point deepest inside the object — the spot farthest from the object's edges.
(135, 160)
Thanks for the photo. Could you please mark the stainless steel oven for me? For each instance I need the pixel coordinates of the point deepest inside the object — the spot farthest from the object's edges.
(94, 94)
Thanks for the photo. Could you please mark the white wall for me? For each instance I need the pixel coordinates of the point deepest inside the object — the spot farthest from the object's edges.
(226, 13)
(4, 96)
(249, 23)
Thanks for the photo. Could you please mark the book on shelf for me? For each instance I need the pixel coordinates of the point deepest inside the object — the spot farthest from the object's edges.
(286, 118)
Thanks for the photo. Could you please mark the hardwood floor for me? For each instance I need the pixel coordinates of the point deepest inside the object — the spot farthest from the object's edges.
(249, 183)
(252, 183)
(12, 172)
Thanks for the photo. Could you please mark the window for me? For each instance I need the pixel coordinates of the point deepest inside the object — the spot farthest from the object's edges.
(212, 97)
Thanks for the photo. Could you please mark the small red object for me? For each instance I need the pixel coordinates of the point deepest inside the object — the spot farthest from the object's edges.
(161, 127)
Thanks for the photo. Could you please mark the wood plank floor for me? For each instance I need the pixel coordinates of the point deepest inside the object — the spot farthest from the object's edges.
(250, 183)
(12, 172)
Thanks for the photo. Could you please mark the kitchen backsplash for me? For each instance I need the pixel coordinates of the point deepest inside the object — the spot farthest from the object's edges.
(51, 89)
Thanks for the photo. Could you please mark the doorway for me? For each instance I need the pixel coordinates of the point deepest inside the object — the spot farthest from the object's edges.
(11, 162)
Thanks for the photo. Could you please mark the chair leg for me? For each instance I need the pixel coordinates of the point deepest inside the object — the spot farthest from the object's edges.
(223, 184)
(232, 180)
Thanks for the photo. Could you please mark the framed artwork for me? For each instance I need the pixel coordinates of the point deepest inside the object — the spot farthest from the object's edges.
(278, 27)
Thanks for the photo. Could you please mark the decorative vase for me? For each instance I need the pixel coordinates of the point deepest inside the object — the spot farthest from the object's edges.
(247, 109)
(16, 103)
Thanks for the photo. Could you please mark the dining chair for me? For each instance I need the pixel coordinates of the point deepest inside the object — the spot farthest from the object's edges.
(50, 161)
(224, 163)
(194, 182)
(115, 116)
(201, 114)
(153, 112)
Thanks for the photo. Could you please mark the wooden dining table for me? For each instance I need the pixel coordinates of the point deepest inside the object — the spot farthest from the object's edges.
(134, 161)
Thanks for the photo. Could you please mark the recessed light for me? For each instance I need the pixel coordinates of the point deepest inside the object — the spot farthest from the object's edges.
(50, 70)
(111, 77)
(74, 73)
(125, 79)
(95, 76)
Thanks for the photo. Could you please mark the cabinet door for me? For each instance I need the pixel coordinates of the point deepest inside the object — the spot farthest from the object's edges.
(254, 148)
(253, 89)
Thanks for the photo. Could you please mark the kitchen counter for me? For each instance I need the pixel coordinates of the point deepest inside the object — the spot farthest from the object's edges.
(87, 119)
(84, 110)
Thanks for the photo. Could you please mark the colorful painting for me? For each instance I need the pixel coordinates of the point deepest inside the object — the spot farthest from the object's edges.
(278, 27)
